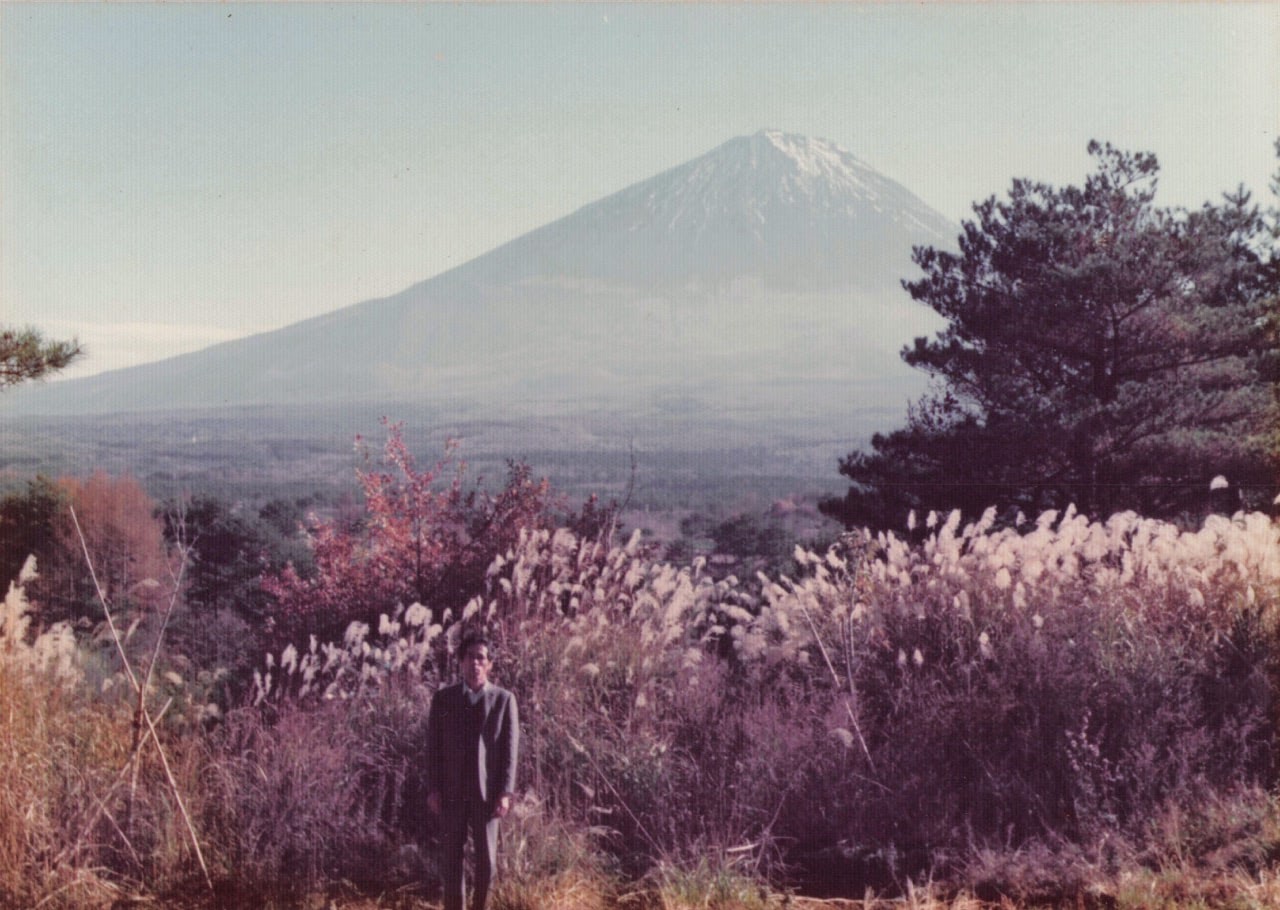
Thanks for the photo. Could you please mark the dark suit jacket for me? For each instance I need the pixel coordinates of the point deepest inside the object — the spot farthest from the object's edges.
(447, 751)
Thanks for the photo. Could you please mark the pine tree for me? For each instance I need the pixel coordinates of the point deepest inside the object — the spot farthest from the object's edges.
(1099, 350)
(26, 355)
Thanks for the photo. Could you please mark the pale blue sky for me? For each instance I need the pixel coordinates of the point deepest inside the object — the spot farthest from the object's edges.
(175, 175)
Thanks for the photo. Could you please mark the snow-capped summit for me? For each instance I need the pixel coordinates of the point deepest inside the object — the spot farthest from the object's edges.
(819, 162)
(790, 211)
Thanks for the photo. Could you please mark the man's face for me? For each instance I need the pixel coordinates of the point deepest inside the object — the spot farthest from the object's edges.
(476, 666)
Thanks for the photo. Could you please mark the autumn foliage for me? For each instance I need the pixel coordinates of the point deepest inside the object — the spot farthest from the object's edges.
(427, 537)
(124, 539)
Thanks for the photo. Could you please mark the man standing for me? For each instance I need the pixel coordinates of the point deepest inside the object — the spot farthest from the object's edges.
(473, 736)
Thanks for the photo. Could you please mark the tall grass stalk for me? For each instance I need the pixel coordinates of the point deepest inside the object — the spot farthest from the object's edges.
(142, 715)
(52, 749)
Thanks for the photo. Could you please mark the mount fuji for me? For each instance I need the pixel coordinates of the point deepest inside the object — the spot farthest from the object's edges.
(761, 276)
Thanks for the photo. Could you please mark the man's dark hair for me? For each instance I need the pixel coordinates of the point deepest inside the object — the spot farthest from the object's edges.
(473, 638)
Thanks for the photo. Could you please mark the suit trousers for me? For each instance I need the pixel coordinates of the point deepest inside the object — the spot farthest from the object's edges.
(472, 817)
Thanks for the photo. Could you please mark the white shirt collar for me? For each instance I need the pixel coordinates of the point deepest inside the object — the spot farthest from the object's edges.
(475, 695)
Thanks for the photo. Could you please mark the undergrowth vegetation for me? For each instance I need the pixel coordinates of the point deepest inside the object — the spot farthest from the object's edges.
(1061, 709)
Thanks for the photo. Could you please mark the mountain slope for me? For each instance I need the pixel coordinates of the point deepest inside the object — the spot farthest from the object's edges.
(770, 263)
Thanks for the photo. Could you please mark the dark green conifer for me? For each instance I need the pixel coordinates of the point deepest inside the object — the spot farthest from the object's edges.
(1099, 350)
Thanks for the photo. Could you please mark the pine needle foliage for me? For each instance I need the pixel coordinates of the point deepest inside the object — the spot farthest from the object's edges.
(1099, 350)
(26, 355)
